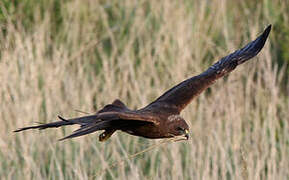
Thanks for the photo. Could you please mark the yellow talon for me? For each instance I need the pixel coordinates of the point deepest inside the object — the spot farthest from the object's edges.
(105, 135)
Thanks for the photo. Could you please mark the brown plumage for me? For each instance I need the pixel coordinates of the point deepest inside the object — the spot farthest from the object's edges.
(161, 118)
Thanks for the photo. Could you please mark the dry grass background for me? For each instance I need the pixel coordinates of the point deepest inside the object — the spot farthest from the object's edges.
(60, 56)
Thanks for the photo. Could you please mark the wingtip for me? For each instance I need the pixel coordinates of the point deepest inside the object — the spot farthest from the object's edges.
(62, 119)
(260, 41)
(267, 30)
(269, 27)
(17, 130)
(62, 139)
(21, 129)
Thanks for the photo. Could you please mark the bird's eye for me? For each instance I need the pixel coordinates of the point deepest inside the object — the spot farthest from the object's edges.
(180, 129)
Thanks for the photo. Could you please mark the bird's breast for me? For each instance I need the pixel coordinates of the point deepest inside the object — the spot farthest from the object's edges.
(147, 131)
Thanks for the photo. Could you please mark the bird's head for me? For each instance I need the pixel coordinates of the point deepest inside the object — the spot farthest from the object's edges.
(177, 126)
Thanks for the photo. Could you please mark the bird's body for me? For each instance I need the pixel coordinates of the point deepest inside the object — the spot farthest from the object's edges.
(161, 118)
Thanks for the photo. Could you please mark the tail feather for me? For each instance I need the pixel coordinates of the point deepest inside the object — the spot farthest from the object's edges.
(44, 126)
(81, 121)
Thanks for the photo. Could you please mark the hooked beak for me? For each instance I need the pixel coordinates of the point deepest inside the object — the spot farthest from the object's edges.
(187, 134)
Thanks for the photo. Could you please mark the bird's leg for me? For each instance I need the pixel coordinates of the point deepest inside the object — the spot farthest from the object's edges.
(106, 134)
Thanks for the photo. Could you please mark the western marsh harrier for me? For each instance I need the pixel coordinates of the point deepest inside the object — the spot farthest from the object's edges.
(161, 118)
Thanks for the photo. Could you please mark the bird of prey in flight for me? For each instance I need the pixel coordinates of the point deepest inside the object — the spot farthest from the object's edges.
(161, 118)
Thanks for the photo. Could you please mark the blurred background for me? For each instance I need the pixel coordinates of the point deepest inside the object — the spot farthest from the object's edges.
(60, 56)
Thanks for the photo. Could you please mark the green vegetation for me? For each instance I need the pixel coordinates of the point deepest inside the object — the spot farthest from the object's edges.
(58, 56)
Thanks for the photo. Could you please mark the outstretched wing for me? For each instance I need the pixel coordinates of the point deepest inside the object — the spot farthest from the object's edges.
(111, 120)
(182, 94)
(115, 106)
(100, 121)
(115, 116)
